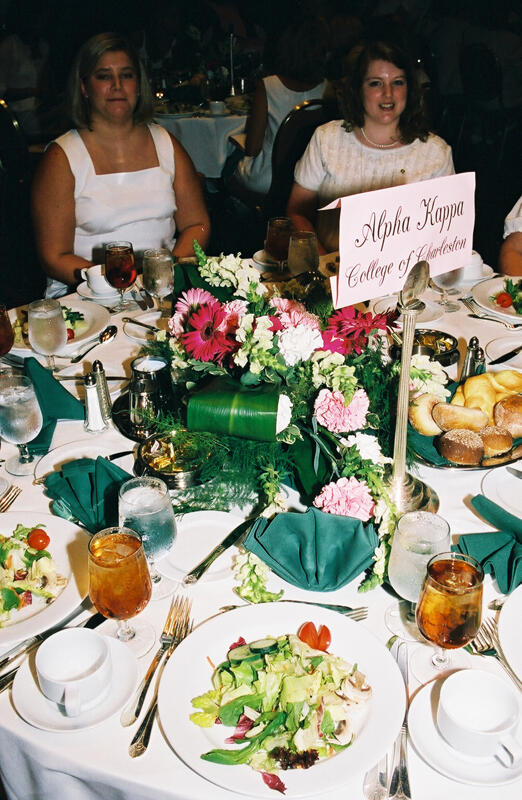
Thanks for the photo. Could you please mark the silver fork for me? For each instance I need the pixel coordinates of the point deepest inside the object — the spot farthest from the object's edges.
(487, 639)
(357, 614)
(141, 739)
(130, 714)
(478, 312)
(9, 497)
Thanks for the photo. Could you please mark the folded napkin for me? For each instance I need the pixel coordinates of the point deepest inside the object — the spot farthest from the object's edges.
(316, 551)
(89, 489)
(499, 552)
(55, 403)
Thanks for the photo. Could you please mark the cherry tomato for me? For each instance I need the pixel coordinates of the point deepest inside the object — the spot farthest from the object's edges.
(324, 638)
(70, 334)
(319, 640)
(38, 539)
(504, 300)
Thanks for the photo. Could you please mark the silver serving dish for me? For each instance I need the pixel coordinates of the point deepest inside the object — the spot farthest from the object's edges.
(159, 457)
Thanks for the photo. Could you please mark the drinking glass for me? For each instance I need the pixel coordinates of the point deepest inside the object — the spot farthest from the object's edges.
(278, 239)
(419, 535)
(20, 420)
(303, 255)
(158, 276)
(120, 268)
(6, 331)
(46, 328)
(119, 584)
(448, 612)
(445, 281)
(145, 506)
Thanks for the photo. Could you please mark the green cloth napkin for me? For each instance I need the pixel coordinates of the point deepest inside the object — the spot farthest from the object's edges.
(55, 403)
(499, 552)
(89, 489)
(316, 551)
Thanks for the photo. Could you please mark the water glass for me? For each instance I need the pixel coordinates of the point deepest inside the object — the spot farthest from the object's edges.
(444, 282)
(145, 506)
(158, 276)
(303, 253)
(20, 420)
(47, 331)
(120, 268)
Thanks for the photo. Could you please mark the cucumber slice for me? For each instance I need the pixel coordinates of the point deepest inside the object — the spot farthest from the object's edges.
(239, 653)
(263, 646)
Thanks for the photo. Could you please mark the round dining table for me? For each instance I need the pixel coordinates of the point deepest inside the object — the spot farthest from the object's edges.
(94, 763)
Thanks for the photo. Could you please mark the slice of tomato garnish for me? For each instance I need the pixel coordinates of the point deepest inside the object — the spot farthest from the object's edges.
(318, 639)
(504, 300)
(324, 638)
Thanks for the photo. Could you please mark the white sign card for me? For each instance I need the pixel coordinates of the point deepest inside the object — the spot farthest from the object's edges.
(383, 234)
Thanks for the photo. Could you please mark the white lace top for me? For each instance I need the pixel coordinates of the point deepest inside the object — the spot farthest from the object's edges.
(513, 221)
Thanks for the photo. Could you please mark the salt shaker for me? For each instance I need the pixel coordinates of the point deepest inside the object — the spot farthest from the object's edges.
(468, 368)
(103, 391)
(94, 422)
(480, 362)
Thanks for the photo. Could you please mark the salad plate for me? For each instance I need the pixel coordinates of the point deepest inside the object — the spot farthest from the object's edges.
(40, 712)
(483, 292)
(142, 335)
(509, 630)
(497, 347)
(210, 643)
(198, 533)
(433, 749)
(68, 549)
(505, 489)
(58, 456)
(262, 259)
(96, 318)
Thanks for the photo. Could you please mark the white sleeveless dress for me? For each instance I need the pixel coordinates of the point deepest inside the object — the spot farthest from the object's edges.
(137, 206)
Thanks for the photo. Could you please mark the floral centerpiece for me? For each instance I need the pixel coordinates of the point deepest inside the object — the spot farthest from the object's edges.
(326, 422)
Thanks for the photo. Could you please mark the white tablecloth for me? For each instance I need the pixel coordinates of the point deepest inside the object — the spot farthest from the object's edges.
(206, 139)
(94, 764)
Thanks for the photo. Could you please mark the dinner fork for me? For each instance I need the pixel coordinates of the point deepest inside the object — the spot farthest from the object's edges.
(141, 739)
(357, 614)
(9, 497)
(476, 311)
(486, 643)
(130, 714)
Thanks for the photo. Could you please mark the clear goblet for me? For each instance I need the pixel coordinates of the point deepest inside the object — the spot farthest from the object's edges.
(303, 253)
(419, 535)
(145, 506)
(443, 282)
(46, 328)
(158, 276)
(119, 584)
(120, 268)
(20, 420)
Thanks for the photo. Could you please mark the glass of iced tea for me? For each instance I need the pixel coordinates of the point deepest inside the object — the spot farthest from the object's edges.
(449, 612)
(120, 268)
(120, 585)
(278, 233)
(6, 331)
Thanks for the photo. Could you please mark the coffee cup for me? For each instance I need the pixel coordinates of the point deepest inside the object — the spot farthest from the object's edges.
(217, 107)
(74, 669)
(475, 269)
(96, 281)
(478, 715)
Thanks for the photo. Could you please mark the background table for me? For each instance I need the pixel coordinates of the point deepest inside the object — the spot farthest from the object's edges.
(94, 764)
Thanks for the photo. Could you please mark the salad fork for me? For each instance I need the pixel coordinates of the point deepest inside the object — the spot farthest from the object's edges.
(177, 609)
(478, 312)
(357, 614)
(9, 497)
(141, 739)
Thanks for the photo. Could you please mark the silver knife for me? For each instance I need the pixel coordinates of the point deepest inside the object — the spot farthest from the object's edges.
(507, 356)
(399, 782)
(82, 377)
(516, 472)
(232, 538)
(139, 299)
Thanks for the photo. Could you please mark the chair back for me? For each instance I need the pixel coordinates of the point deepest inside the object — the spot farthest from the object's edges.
(481, 76)
(290, 143)
(14, 153)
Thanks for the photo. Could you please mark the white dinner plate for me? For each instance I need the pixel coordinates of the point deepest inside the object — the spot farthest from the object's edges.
(142, 335)
(37, 710)
(509, 629)
(263, 259)
(68, 548)
(505, 489)
(56, 458)
(96, 319)
(107, 298)
(198, 533)
(497, 347)
(482, 293)
(432, 748)
(188, 674)
(431, 312)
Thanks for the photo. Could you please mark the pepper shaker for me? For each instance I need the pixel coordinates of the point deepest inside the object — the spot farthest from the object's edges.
(468, 368)
(103, 391)
(94, 422)
(480, 362)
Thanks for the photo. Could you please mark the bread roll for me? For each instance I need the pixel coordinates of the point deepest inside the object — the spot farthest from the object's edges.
(461, 447)
(419, 414)
(449, 417)
(508, 414)
(496, 441)
(458, 398)
(507, 380)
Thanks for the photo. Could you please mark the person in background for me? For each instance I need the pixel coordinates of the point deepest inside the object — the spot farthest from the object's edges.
(116, 175)
(383, 141)
(510, 256)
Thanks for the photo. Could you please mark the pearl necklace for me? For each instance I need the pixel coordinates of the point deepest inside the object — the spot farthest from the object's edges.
(380, 146)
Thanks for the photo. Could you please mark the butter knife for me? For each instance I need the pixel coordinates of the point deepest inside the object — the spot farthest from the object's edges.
(146, 325)
(233, 537)
(507, 356)
(139, 299)
(399, 781)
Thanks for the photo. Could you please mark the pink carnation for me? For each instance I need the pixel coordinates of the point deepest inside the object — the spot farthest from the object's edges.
(188, 301)
(332, 413)
(291, 313)
(347, 497)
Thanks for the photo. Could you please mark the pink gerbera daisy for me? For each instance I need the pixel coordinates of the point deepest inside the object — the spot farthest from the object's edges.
(204, 340)
(188, 301)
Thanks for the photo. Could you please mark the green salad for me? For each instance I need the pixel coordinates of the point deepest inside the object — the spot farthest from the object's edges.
(27, 571)
(290, 705)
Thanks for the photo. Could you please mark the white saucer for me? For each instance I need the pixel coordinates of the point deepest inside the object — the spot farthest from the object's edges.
(432, 748)
(37, 710)
(431, 312)
(497, 347)
(264, 260)
(102, 299)
(505, 489)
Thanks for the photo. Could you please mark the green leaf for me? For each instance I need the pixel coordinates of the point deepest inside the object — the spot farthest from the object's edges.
(327, 724)
(229, 714)
(10, 599)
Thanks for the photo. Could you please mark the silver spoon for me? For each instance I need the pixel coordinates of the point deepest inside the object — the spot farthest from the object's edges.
(106, 335)
(416, 284)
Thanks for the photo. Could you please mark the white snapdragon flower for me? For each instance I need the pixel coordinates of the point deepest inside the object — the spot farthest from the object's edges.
(279, 505)
(245, 327)
(322, 362)
(379, 556)
(427, 376)
(367, 446)
(297, 344)
(262, 333)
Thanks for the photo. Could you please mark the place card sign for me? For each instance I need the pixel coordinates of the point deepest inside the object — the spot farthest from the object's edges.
(383, 234)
